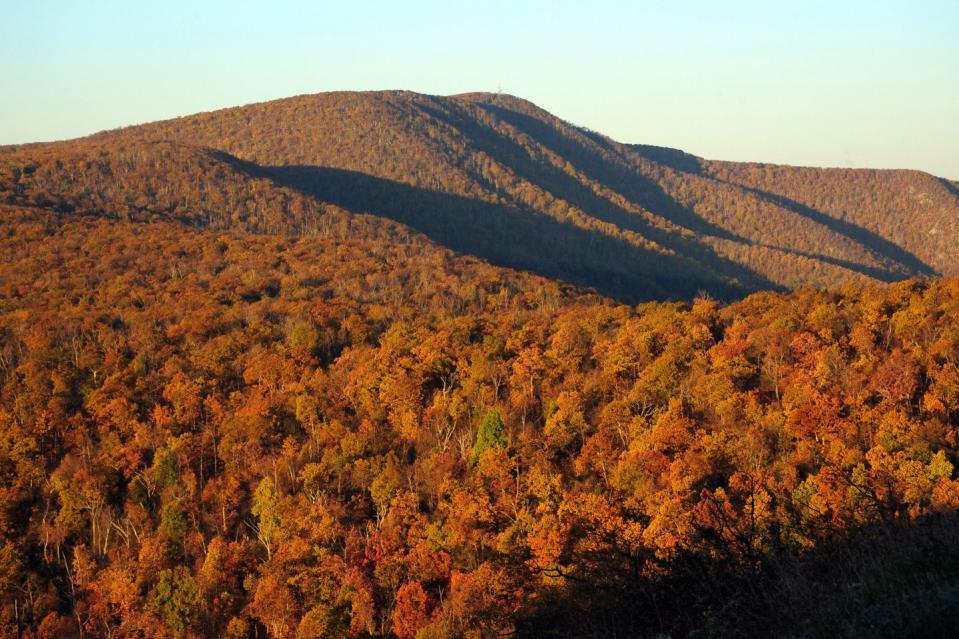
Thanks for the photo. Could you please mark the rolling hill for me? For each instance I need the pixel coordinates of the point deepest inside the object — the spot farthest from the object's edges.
(326, 367)
(497, 177)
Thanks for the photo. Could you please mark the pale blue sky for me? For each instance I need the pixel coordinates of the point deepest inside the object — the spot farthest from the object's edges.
(821, 83)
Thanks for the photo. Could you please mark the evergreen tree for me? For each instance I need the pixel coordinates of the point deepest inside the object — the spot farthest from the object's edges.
(491, 434)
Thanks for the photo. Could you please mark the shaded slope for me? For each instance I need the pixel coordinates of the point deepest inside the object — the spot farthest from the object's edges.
(84, 260)
(147, 181)
(910, 215)
(497, 177)
(667, 184)
(165, 181)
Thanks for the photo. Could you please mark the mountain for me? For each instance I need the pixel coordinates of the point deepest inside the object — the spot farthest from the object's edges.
(326, 367)
(496, 177)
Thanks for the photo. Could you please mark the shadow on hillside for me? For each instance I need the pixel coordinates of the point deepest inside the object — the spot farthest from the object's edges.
(652, 197)
(519, 238)
(636, 188)
(876, 273)
(568, 189)
(655, 199)
(895, 579)
(871, 240)
(950, 186)
(673, 158)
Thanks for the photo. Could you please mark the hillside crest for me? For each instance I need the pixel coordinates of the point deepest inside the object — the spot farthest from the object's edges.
(495, 176)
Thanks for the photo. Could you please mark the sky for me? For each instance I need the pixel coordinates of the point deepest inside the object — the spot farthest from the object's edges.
(839, 83)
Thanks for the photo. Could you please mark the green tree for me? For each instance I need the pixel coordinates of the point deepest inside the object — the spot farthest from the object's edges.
(264, 509)
(177, 598)
(491, 434)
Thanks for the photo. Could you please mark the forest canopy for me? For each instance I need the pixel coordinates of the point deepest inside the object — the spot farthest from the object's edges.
(222, 434)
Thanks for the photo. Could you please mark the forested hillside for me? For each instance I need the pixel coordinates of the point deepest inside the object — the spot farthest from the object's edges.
(395, 365)
(497, 177)
(223, 434)
(164, 181)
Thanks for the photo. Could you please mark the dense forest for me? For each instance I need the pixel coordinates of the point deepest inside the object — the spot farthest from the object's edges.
(391, 365)
(213, 434)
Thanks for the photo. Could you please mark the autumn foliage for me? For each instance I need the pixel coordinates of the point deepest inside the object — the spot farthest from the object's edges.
(497, 177)
(219, 434)
(248, 390)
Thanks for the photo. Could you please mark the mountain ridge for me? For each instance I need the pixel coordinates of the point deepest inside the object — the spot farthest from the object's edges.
(327, 367)
(498, 177)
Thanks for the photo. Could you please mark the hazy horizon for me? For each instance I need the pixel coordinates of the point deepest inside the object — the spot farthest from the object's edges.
(863, 85)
